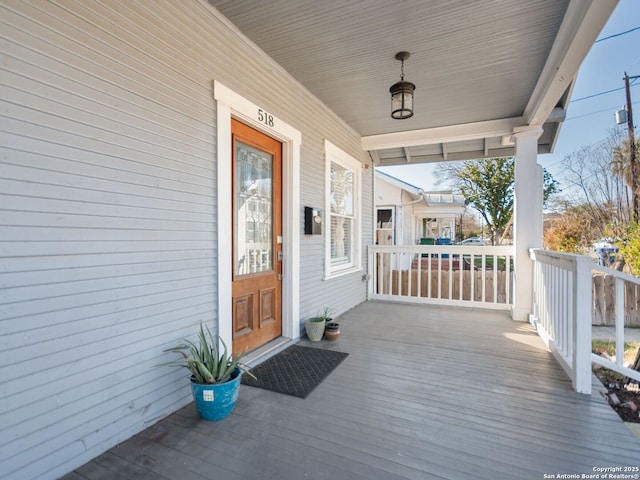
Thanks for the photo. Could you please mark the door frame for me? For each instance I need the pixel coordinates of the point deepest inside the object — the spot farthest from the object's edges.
(230, 104)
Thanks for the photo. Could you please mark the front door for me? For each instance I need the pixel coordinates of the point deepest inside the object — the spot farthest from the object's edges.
(257, 237)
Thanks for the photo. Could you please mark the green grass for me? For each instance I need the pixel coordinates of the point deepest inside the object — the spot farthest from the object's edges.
(609, 346)
(502, 262)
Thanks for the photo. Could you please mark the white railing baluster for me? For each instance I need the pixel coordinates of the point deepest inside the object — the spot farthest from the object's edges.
(461, 272)
(429, 278)
(450, 256)
(484, 279)
(507, 276)
(495, 278)
(473, 278)
(620, 321)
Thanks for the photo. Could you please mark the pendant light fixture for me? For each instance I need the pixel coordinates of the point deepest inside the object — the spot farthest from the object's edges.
(402, 93)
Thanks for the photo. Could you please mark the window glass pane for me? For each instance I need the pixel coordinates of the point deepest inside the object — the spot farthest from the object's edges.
(384, 227)
(341, 239)
(253, 210)
(341, 190)
(384, 218)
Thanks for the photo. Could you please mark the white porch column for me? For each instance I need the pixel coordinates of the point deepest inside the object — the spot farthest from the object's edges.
(527, 227)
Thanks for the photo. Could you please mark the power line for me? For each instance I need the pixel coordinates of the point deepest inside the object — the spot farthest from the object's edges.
(616, 35)
(602, 93)
(589, 147)
(596, 95)
(596, 112)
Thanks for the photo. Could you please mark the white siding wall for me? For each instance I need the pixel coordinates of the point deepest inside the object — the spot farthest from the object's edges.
(108, 213)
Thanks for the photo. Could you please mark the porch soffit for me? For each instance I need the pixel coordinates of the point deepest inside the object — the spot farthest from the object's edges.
(481, 67)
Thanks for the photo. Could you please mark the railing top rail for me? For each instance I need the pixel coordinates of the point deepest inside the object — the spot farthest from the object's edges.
(540, 254)
(565, 259)
(615, 273)
(463, 249)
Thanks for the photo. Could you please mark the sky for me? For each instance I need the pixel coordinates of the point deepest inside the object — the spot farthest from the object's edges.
(588, 120)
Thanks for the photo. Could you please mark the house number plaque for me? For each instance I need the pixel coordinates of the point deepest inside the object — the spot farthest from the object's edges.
(265, 117)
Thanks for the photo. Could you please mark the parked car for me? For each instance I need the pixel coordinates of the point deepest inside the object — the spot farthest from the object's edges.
(606, 251)
(603, 243)
(473, 241)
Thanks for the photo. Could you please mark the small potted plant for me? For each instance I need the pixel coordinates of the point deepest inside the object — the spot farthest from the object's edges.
(332, 330)
(215, 375)
(331, 326)
(315, 325)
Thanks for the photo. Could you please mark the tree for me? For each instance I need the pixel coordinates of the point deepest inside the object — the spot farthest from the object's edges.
(629, 244)
(488, 186)
(621, 166)
(596, 177)
(572, 231)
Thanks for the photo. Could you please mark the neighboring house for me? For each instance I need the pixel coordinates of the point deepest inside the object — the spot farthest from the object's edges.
(157, 158)
(405, 213)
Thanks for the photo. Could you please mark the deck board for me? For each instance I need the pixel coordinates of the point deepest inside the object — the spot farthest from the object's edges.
(426, 393)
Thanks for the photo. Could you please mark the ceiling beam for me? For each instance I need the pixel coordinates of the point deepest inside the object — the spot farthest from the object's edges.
(450, 133)
(580, 27)
(557, 115)
(451, 156)
(407, 154)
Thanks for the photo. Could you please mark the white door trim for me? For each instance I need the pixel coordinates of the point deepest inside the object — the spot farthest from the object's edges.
(230, 104)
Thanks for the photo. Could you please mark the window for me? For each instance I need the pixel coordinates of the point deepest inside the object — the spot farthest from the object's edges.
(384, 227)
(343, 212)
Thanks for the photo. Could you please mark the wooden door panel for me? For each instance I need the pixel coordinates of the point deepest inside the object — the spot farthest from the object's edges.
(268, 304)
(257, 228)
(242, 315)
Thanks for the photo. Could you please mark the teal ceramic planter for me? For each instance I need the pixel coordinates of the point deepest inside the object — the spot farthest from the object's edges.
(214, 401)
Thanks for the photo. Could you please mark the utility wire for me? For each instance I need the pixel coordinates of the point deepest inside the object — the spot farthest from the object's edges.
(616, 35)
(596, 95)
(594, 113)
(633, 83)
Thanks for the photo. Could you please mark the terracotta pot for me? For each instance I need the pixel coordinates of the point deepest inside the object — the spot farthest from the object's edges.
(331, 331)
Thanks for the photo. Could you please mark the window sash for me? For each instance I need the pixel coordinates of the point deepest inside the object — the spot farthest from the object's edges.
(343, 187)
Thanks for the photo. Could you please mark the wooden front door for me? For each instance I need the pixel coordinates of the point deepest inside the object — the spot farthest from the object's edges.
(257, 237)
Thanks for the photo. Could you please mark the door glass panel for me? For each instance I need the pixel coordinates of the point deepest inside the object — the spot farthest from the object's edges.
(253, 215)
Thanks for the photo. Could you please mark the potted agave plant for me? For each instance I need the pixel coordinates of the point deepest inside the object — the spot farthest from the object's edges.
(215, 375)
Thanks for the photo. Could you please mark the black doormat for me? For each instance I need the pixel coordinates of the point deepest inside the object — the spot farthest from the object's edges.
(295, 371)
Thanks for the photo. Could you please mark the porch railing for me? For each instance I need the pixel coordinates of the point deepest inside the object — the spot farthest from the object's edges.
(478, 276)
(563, 313)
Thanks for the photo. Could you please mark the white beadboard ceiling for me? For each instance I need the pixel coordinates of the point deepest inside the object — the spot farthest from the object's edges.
(481, 67)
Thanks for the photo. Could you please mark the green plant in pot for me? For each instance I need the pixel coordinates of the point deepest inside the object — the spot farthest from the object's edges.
(332, 330)
(331, 326)
(215, 374)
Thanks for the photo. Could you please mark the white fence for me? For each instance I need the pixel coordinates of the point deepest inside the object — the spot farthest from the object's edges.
(477, 276)
(563, 313)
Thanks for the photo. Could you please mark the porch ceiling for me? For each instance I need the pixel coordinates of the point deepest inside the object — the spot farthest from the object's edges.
(481, 67)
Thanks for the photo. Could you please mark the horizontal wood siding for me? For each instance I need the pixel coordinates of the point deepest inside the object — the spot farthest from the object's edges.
(108, 206)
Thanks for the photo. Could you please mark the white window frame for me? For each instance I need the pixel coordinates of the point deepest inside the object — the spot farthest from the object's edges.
(335, 155)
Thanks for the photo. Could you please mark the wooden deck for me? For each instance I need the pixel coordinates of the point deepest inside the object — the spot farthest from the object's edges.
(426, 392)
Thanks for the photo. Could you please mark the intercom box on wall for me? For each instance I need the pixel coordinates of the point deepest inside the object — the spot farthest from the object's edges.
(312, 221)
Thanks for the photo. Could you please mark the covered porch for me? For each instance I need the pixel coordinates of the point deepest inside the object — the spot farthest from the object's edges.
(426, 392)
